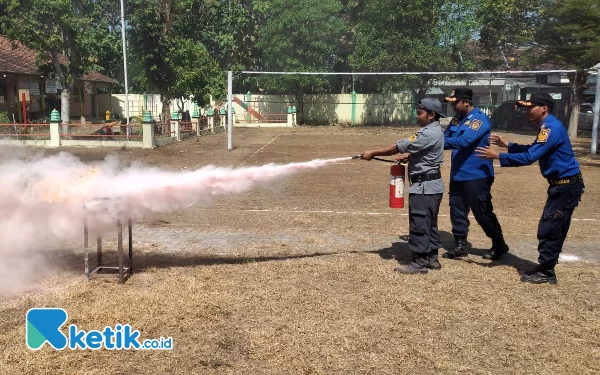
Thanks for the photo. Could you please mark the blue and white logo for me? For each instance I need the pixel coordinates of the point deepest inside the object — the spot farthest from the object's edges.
(44, 325)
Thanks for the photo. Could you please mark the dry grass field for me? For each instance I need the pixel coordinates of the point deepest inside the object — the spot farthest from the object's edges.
(296, 277)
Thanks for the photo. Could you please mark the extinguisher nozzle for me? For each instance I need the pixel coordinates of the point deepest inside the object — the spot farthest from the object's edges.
(356, 157)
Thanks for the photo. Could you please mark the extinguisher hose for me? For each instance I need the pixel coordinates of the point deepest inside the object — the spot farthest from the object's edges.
(374, 158)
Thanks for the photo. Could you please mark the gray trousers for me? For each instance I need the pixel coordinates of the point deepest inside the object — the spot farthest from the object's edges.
(423, 212)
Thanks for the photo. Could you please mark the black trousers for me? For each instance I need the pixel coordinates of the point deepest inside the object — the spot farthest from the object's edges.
(556, 220)
(423, 213)
(476, 196)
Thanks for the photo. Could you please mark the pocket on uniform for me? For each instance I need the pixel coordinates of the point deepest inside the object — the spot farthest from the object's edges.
(484, 197)
(574, 198)
(485, 201)
(550, 224)
(418, 222)
(576, 192)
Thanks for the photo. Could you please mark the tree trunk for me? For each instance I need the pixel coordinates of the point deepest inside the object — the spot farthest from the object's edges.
(574, 120)
(65, 108)
(578, 88)
(166, 114)
(65, 94)
(300, 107)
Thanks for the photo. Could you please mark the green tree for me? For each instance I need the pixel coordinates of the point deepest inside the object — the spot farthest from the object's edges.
(56, 31)
(412, 36)
(228, 30)
(570, 32)
(104, 39)
(507, 25)
(301, 35)
(166, 43)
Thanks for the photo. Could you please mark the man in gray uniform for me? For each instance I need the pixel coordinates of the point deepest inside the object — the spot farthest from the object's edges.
(425, 153)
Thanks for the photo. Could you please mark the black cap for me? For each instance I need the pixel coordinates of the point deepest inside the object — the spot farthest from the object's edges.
(538, 98)
(460, 93)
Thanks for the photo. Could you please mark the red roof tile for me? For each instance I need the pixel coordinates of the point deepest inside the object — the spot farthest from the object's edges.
(22, 60)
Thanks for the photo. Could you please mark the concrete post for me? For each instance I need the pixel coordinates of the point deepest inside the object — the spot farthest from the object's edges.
(176, 123)
(290, 120)
(147, 131)
(294, 116)
(211, 120)
(54, 129)
(353, 116)
(248, 98)
(223, 114)
(196, 120)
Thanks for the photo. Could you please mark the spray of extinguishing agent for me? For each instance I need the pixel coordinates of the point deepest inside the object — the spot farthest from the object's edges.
(397, 173)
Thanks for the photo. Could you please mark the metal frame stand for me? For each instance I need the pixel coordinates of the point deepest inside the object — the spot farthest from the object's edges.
(121, 271)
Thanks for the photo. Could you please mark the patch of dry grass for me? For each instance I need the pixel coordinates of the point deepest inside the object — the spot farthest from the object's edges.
(339, 313)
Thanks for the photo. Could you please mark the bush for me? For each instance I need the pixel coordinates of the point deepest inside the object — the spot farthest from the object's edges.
(43, 120)
(4, 119)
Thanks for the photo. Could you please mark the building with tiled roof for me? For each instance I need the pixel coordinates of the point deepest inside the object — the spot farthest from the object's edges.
(19, 74)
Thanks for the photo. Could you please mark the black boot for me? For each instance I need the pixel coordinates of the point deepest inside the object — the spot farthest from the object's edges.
(498, 249)
(460, 249)
(434, 261)
(540, 275)
(419, 264)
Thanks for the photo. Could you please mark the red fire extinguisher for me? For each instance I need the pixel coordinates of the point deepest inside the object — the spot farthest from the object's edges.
(397, 172)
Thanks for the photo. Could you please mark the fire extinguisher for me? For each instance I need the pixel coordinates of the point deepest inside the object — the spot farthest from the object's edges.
(397, 172)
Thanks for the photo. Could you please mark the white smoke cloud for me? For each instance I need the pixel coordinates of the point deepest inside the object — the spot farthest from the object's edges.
(44, 200)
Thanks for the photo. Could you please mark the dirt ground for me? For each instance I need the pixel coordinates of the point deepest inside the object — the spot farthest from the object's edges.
(296, 277)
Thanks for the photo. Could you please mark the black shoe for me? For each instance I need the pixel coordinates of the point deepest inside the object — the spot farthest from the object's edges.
(460, 249)
(539, 276)
(419, 264)
(411, 269)
(496, 252)
(434, 264)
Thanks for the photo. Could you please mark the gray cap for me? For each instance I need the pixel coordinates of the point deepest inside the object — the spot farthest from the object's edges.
(432, 104)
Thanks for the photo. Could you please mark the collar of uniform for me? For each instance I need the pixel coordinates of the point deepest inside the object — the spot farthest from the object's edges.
(433, 124)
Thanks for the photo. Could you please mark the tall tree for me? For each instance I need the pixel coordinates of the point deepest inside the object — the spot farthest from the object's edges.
(103, 39)
(507, 25)
(571, 33)
(301, 35)
(413, 36)
(167, 48)
(55, 30)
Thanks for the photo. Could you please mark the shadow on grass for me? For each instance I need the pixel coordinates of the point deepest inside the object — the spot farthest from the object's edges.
(400, 252)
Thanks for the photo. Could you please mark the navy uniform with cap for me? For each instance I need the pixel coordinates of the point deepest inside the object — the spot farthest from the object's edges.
(559, 166)
(425, 151)
(471, 178)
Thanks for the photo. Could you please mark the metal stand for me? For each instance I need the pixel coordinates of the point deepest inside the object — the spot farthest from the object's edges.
(121, 271)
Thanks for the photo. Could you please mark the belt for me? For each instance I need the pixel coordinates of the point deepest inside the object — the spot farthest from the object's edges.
(567, 180)
(426, 177)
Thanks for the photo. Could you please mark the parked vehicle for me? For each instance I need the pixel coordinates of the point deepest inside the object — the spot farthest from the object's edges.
(510, 117)
(586, 117)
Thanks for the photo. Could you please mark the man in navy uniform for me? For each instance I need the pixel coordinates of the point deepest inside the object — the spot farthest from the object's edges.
(558, 165)
(425, 151)
(471, 178)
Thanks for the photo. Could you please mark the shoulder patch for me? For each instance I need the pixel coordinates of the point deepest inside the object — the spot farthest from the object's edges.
(476, 124)
(542, 136)
(412, 138)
